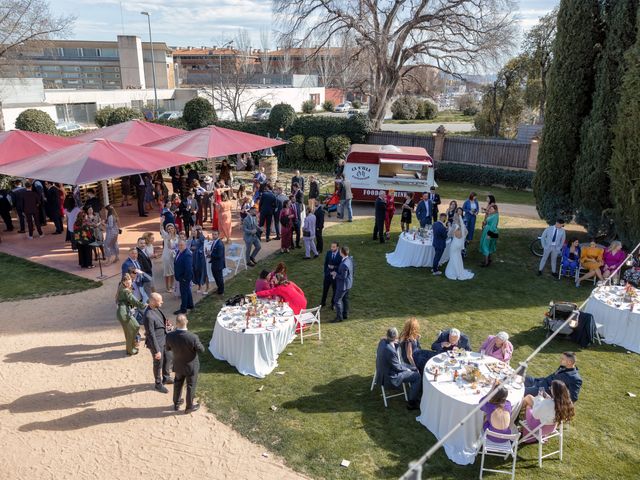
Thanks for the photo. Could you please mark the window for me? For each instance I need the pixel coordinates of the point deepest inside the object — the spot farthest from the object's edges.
(71, 52)
(70, 68)
(108, 52)
(50, 68)
(315, 98)
(90, 52)
(52, 52)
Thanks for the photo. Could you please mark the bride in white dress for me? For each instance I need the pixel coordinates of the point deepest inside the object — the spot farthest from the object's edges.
(455, 268)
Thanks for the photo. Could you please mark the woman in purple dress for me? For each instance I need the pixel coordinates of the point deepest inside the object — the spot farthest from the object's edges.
(497, 414)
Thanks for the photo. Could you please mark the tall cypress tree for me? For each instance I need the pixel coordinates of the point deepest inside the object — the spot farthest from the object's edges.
(591, 187)
(624, 171)
(569, 100)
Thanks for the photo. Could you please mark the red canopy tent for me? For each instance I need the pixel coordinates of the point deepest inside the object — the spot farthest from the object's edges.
(210, 142)
(94, 161)
(133, 132)
(19, 144)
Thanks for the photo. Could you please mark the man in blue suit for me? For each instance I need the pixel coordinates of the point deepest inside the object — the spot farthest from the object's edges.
(268, 205)
(391, 372)
(440, 234)
(424, 210)
(450, 339)
(344, 282)
(217, 261)
(332, 261)
(183, 270)
(131, 263)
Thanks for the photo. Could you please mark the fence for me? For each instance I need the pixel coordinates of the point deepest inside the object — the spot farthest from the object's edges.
(490, 152)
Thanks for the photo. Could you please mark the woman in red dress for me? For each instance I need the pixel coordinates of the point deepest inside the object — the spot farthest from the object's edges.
(391, 209)
(287, 291)
(287, 219)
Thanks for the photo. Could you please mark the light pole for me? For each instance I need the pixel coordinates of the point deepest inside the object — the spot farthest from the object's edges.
(153, 67)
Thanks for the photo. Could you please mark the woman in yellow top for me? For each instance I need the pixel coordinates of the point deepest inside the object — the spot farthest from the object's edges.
(591, 259)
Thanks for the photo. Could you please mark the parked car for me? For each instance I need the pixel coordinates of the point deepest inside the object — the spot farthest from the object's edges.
(343, 107)
(352, 112)
(69, 126)
(171, 115)
(261, 114)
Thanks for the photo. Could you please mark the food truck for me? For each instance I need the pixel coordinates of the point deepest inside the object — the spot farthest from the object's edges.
(372, 168)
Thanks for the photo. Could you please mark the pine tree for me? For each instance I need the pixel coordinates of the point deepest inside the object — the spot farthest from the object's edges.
(590, 190)
(625, 161)
(569, 101)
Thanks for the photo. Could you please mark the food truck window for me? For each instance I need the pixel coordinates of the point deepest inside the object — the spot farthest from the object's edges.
(402, 170)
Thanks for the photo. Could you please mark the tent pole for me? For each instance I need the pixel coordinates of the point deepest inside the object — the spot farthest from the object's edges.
(105, 192)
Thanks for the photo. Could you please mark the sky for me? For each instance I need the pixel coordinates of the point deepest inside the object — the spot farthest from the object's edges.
(199, 22)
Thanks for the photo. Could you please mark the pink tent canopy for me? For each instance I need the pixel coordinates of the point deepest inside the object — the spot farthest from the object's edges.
(133, 132)
(94, 161)
(19, 144)
(209, 142)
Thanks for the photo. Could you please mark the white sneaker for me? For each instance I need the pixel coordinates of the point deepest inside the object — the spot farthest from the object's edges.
(437, 273)
(29, 237)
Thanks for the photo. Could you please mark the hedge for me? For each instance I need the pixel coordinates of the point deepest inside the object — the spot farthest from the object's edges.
(38, 121)
(314, 149)
(356, 128)
(338, 146)
(489, 176)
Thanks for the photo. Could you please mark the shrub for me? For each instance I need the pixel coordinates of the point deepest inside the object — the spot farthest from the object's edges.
(174, 122)
(33, 120)
(123, 114)
(102, 116)
(404, 108)
(328, 106)
(282, 116)
(314, 149)
(489, 176)
(262, 103)
(295, 150)
(356, 104)
(308, 106)
(338, 146)
(427, 110)
(470, 111)
(198, 112)
(356, 127)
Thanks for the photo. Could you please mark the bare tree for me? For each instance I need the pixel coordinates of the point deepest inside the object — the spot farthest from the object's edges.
(423, 80)
(451, 35)
(265, 50)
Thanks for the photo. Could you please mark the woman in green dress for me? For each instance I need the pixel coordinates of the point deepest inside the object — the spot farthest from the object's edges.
(126, 316)
(490, 234)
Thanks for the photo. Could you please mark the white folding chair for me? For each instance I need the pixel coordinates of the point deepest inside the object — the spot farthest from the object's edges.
(236, 255)
(599, 337)
(500, 449)
(308, 317)
(384, 394)
(541, 438)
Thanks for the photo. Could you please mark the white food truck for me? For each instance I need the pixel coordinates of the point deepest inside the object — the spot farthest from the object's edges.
(372, 168)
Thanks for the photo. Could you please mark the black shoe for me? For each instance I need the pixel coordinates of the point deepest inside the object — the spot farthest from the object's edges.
(539, 273)
(253, 259)
(145, 215)
(176, 406)
(195, 407)
(277, 238)
(267, 240)
(306, 258)
(413, 406)
(161, 388)
(178, 312)
(335, 320)
(316, 256)
(167, 381)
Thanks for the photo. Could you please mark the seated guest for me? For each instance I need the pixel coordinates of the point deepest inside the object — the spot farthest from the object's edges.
(591, 259)
(547, 410)
(567, 373)
(450, 339)
(497, 414)
(498, 346)
(262, 283)
(632, 275)
(390, 372)
(570, 257)
(412, 353)
(287, 291)
(281, 269)
(613, 257)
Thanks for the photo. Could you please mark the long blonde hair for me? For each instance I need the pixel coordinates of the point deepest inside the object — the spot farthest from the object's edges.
(411, 329)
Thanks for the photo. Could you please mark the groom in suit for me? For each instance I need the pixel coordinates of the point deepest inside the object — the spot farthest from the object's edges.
(183, 270)
(439, 242)
(424, 210)
(217, 261)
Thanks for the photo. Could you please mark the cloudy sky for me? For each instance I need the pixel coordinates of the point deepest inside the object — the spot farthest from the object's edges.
(198, 22)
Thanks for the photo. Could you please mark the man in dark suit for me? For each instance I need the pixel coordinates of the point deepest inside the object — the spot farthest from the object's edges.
(53, 206)
(435, 201)
(332, 261)
(280, 198)
(176, 174)
(380, 214)
(450, 339)
(92, 201)
(17, 198)
(567, 373)
(424, 211)
(440, 234)
(297, 193)
(156, 328)
(267, 207)
(344, 282)
(391, 372)
(319, 213)
(299, 179)
(138, 182)
(38, 187)
(5, 208)
(183, 271)
(146, 265)
(217, 260)
(31, 201)
(185, 347)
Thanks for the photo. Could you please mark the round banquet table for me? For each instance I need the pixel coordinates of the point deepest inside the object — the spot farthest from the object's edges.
(444, 403)
(620, 323)
(415, 253)
(255, 350)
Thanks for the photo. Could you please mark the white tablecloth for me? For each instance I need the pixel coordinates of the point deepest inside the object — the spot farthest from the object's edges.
(444, 403)
(255, 351)
(415, 253)
(620, 325)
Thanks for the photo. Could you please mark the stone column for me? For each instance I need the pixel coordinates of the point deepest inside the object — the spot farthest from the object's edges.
(438, 148)
(270, 165)
(532, 162)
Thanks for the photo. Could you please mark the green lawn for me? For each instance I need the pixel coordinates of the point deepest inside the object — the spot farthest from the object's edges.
(326, 411)
(22, 279)
(460, 192)
(446, 116)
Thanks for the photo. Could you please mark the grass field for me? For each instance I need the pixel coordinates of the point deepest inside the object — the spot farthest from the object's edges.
(446, 116)
(460, 192)
(21, 279)
(326, 412)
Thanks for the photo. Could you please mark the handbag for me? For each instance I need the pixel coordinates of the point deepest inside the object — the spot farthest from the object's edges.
(493, 234)
(306, 233)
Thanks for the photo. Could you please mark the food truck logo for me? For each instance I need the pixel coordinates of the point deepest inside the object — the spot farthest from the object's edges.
(361, 172)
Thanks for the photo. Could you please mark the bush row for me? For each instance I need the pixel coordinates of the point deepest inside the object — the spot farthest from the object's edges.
(408, 107)
(489, 176)
(314, 153)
